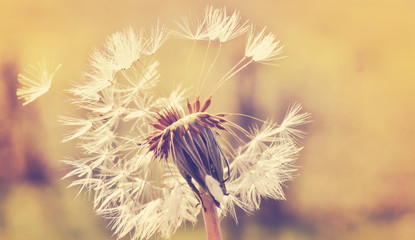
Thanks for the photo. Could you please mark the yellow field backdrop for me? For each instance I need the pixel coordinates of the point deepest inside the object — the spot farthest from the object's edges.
(350, 63)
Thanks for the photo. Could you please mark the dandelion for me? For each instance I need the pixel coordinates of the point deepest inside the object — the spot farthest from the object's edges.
(154, 161)
(36, 81)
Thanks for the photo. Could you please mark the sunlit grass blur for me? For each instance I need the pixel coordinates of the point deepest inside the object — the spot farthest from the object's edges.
(349, 63)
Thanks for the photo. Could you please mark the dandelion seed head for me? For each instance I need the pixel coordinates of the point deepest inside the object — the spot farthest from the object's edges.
(148, 156)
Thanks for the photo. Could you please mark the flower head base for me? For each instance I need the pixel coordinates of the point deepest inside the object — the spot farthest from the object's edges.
(151, 165)
(192, 142)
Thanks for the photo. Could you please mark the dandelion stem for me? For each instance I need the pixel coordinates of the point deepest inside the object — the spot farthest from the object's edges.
(211, 219)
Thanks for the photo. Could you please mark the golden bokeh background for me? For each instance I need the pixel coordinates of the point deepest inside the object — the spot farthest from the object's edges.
(350, 63)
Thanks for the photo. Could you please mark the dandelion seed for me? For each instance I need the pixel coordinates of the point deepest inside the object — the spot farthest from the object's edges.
(222, 27)
(261, 47)
(158, 35)
(293, 119)
(121, 50)
(216, 25)
(232, 28)
(191, 29)
(93, 83)
(84, 126)
(36, 81)
(215, 22)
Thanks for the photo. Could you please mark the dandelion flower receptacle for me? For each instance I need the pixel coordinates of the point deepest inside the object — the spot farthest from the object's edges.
(154, 161)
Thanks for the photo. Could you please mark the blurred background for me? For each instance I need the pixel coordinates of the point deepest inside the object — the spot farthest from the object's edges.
(350, 63)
